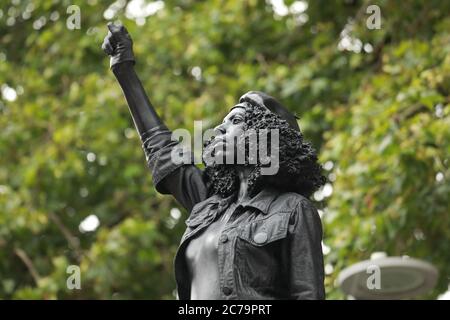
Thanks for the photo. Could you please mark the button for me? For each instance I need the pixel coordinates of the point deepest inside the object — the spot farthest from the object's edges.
(227, 291)
(260, 237)
(223, 238)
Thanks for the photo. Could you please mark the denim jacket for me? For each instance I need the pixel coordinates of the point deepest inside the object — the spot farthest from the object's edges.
(270, 247)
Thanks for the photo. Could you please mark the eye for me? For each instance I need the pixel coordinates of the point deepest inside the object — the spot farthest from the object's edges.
(236, 120)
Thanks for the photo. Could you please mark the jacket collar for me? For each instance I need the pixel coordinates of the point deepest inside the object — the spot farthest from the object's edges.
(262, 200)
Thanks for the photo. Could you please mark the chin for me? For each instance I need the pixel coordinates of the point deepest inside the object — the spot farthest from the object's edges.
(221, 155)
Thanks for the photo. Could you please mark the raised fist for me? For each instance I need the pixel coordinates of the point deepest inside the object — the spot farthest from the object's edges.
(118, 44)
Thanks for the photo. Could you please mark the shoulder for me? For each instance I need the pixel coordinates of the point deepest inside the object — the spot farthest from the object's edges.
(289, 202)
(303, 212)
(295, 204)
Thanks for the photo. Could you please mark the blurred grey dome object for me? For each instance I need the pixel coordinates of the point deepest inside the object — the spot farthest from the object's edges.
(383, 278)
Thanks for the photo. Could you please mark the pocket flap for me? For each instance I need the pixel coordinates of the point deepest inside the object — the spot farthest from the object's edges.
(266, 230)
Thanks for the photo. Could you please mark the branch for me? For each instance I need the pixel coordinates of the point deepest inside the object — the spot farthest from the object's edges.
(71, 239)
(28, 263)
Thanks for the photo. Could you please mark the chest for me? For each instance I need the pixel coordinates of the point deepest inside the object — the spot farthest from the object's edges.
(206, 243)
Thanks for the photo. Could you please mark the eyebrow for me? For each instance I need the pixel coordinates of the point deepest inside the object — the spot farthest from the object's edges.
(233, 116)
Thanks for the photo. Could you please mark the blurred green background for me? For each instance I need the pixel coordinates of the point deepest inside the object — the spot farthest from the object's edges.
(74, 186)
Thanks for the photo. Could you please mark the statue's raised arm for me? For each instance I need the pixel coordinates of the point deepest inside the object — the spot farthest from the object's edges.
(184, 181)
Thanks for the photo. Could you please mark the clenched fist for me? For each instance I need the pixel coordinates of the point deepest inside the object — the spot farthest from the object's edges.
(118, 44)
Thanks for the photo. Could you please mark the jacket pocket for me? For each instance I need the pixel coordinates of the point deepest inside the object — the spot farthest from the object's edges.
(266, 230)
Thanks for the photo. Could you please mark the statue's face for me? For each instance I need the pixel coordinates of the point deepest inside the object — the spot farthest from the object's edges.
(233, 126)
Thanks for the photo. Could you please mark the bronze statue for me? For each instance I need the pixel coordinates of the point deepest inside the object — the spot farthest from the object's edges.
(249, 235)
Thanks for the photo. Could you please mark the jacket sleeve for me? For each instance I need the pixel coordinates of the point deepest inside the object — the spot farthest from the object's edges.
(306, 259)
(181, 179)
(184, 180)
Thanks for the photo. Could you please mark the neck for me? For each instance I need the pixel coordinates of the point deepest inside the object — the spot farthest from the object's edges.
(243, 174)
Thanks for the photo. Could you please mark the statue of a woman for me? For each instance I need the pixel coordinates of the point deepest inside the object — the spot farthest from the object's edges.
(248, 235)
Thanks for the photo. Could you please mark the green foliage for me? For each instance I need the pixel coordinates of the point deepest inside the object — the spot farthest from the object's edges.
(68, 147)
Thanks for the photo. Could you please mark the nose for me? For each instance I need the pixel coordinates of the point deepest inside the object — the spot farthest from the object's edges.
(218, 130)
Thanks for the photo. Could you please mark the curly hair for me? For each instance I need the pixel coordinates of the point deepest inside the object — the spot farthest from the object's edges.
(299, 170)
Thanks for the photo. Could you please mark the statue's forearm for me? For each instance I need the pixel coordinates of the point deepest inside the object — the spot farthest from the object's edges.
(142, 111)
(153, 133)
